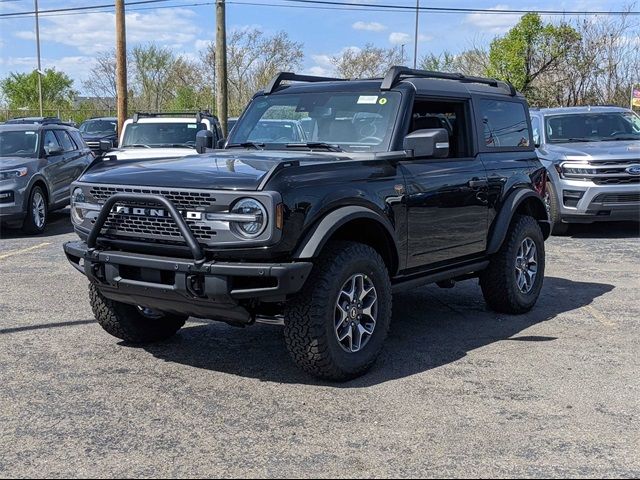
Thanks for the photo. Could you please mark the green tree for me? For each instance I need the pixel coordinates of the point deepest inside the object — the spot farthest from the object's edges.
(529, 50)
(21, 90)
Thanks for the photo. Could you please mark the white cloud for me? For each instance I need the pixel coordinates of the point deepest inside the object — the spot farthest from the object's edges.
(369, 26)
(398, 38)
(493, 23)
(201, 44)
(77, 67)
(95, 32)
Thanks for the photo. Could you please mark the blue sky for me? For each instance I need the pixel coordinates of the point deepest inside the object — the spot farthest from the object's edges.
(69, 42)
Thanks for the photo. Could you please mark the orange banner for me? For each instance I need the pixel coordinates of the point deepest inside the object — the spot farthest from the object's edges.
(635, 98)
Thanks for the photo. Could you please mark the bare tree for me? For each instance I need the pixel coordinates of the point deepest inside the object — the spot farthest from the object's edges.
(366, 62)
(252, 60)
(101, 82)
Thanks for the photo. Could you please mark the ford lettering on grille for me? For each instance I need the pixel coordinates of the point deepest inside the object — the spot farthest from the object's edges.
(153, 212)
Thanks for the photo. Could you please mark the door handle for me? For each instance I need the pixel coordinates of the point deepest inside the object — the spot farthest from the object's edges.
(478, 182)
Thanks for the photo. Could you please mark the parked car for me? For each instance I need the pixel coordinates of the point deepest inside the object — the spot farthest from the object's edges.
(593, 158)
(163, 135)
(317, 234)
(96, 130)
(38, 162)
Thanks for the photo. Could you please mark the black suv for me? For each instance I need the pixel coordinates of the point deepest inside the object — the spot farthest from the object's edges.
(415, 178)
(95, 130)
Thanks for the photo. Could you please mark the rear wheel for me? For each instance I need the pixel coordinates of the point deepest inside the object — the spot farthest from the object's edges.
(132, 323)
(37, 212)
(336, 326)
(513, 280)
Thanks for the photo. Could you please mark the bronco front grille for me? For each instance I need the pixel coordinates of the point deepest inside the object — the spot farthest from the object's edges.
(182, 199)
(155, 228)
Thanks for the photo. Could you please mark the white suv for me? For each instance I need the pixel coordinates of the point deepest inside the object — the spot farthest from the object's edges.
(163, 135)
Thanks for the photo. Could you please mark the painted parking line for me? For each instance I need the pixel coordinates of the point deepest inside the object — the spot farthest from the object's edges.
(23, 250)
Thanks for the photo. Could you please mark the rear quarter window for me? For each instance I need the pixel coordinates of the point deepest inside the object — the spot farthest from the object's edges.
(504, 125)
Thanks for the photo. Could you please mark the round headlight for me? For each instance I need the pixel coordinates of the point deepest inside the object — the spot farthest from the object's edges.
(255, 222)
(77, 214)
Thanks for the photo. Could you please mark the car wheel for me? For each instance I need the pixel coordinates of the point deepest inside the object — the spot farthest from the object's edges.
(132, 323)
(37, 212)
(553, 206)
(336, 326)
(512, 281)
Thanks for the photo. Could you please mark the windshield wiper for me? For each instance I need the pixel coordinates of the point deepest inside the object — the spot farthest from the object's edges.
(254, 145)
(136, 145)
(175, 145)
(316, 145)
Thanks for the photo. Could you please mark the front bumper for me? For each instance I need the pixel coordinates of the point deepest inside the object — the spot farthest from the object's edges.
(214, 290)
(598, 202)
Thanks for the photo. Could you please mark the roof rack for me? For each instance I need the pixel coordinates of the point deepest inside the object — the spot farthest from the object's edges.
(199, 115)
(395, 74)
(293, 77)
(36, 120)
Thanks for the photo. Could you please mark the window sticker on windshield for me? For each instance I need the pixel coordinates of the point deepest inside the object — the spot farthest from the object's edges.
(192, 125)
(382, 101)
(368, 99)
(29, 133)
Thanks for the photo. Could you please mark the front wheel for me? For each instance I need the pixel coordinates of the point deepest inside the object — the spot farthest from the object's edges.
(37, 212)
(553, 206)
(132, 323)
(513, 280)
(335, 327)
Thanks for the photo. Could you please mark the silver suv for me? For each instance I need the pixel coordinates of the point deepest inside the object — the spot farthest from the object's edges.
(38, 162)
(593, 158)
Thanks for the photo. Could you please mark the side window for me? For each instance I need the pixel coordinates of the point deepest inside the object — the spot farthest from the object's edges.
(66, 141)
(504, 124)
(452, 116)
(49, 140)
(75, 136)
(535, 126)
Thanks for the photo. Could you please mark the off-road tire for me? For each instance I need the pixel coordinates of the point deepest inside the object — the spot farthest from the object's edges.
(558, 228)
(127, 322)
(498, 281)
(29, 224)
(309, 316)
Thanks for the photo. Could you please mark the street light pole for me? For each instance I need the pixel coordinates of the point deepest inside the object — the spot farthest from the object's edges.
(415, 40)
(39, 71)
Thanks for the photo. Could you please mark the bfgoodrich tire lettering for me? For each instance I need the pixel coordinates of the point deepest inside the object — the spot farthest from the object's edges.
(310, 317)
(129, 323)
(499, 282)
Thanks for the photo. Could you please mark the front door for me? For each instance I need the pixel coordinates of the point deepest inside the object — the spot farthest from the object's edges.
(446, 198)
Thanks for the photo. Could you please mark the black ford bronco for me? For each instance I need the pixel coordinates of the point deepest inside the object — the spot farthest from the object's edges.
(328, 196)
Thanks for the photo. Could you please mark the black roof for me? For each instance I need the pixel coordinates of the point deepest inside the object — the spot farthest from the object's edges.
(421, 80)
(37, 121)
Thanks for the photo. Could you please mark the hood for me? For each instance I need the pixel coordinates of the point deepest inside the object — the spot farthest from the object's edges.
(96, 138)
(223, 169)
(592, 151)
(149, 153)
(7, 163)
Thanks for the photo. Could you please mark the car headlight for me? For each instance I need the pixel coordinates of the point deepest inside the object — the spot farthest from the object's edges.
(77, 212)
(15, 173)
(251, 218)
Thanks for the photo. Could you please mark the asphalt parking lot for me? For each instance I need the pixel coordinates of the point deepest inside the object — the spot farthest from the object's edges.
(458, 391)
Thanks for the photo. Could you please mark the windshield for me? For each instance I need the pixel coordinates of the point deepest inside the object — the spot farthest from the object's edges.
(353, 122)
(592, 127)
(98, 127)
(156, 134)
(18, 143)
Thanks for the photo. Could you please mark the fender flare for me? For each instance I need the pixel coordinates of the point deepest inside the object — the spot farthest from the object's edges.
(318, 236)
(501, 223)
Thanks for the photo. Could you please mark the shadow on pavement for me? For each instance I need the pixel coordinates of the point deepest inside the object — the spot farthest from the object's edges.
(427, 331)
(59, 224)
(605, 230)
(42, 326)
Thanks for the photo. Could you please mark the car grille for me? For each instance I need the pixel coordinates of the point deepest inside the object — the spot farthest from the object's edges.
(153, 228)
(617, 198)
(604, 172)
(93, 145)
(183, 200)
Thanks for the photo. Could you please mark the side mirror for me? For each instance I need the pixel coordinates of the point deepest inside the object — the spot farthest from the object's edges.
(204, 141)
(431, 142)
(105, 145)
(52, 150)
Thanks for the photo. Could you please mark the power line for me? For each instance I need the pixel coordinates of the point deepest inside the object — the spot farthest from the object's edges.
(468, 10)
(325, 5)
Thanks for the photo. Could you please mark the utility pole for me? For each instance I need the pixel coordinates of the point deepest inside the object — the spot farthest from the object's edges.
(415, 40)
(402, 53)
(39, 71)
(221, 65)
(121, 65)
